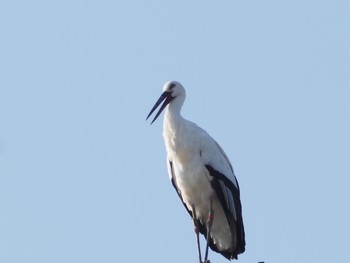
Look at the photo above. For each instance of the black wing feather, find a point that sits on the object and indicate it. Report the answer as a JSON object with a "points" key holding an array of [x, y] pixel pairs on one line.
{"points": [[229, 197]]}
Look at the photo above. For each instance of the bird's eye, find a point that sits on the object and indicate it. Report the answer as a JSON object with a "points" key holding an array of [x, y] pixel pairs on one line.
{"points": [[172, 85]]}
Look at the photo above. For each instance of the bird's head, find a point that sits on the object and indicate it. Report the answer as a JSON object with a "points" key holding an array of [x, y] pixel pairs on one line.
{"points": [[174, 87], [172, 91]]}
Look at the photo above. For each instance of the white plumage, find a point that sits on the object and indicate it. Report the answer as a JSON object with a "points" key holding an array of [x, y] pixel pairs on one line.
{"points": [[202, 176]]}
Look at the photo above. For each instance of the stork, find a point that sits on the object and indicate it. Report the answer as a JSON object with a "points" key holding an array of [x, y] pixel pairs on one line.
{"points": [[202, 176]]}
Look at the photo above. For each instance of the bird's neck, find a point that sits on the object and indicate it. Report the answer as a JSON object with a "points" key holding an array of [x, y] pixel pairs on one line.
{"points": [[173, 120], [172, 116], [173, 127]]}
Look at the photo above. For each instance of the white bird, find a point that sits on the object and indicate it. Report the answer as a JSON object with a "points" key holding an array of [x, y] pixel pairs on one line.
{"points": [[203, 177]]}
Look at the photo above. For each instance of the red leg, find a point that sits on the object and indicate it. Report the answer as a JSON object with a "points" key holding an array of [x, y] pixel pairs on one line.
{"points": [[196, 230], [209, 225]]}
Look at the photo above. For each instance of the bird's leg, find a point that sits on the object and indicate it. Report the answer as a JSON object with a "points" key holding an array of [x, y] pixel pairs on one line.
{"points": [[196, 230], [209, 225]]}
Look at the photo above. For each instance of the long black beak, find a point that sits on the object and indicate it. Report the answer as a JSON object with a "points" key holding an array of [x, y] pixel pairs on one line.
{"points": [[167, 98]]}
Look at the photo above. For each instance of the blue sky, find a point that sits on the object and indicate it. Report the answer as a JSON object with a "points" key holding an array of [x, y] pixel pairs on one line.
{"points": [[83, 177]]}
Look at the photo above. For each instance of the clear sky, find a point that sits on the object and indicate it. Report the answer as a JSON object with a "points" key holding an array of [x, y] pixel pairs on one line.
{"points": [[83, 176]]}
